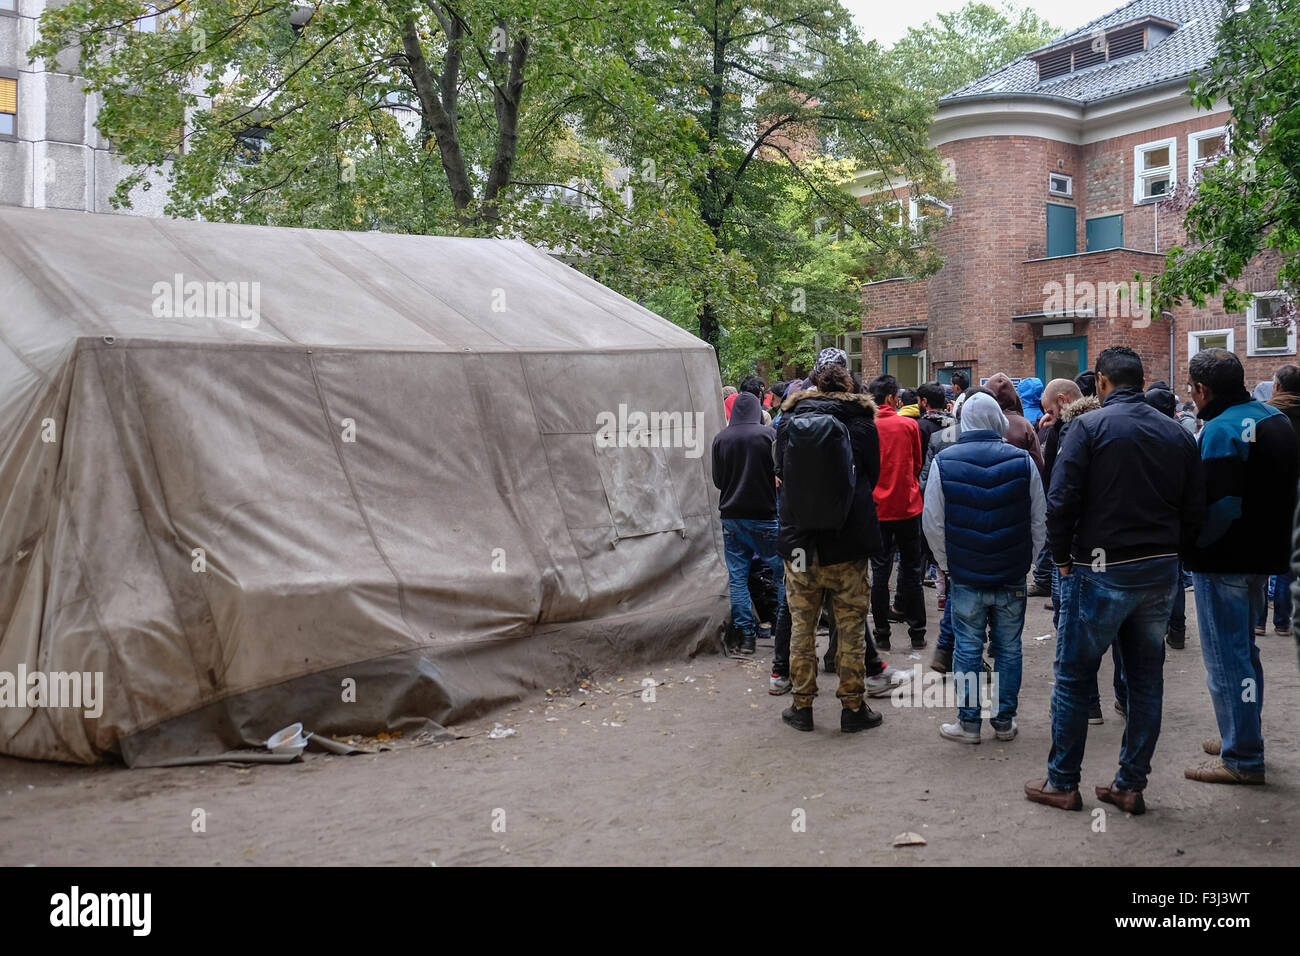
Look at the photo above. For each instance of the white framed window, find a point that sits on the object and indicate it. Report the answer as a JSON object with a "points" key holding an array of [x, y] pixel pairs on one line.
{"points": [[1059, 184], [925, 206], [1154, 170], [1203, 146], [1262, 336], [851, 343], [9, 6], [1202, 339]]}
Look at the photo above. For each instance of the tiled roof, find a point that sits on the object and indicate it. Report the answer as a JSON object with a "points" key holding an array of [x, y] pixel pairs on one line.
{"points": [[1183, 52]]}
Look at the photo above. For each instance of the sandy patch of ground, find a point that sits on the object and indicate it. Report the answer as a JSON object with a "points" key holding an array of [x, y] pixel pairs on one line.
{"points": [[705, 774]]}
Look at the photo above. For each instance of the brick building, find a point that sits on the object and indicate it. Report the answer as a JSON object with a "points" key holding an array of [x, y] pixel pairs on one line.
{"points": [[1063, 160]]}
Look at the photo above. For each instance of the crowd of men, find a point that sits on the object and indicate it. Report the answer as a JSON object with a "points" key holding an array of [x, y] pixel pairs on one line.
{"points": [[1106, 495]]}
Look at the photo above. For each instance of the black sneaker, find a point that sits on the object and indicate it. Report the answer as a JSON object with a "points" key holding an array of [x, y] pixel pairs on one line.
{"points": [[882, 643], [942, 660], [918, 642], [747, 643], [864, 718], [1039, 590], [1121, 709], [800, 718], [1094, 714], [1176, 639]]}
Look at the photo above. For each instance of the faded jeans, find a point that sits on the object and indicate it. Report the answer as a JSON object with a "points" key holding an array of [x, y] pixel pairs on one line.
{"points": [[1002, 611], [1226, 607], [1126, 604], [742, 538]]}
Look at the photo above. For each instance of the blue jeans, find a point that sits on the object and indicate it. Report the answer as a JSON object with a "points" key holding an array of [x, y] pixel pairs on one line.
{"points": [[1044, 566], [1178, 616], [1128, 604], [742, 538], [1277, 589], [1056, 597], [1226, 607], [1002, 610], [945, 626], [1282, 599]]}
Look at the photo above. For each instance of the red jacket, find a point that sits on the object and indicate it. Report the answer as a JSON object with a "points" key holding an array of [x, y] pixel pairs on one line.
{"points": [[897, 493]]}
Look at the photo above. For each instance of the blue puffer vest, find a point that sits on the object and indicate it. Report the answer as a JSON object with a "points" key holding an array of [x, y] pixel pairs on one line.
{"points": [[986, 520]]}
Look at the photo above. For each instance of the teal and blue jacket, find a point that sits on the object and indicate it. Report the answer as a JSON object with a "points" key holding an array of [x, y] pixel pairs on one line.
{"points": [[1248, 456]]}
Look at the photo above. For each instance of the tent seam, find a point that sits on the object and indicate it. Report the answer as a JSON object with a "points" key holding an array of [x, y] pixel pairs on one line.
{"points": [[356, 497]]}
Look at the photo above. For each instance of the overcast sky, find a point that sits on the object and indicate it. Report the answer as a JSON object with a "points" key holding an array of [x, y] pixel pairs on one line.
{"points": [[887, 20]]}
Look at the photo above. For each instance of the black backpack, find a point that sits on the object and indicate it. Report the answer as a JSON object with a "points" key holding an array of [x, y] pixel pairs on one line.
{"points": [[818, 476]]}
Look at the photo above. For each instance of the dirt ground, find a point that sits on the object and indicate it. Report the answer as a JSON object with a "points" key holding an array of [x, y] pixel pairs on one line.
{"points": [[705, 774]]}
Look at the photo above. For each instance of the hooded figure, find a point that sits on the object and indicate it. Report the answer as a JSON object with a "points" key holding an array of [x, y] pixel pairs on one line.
{"points": [[1030, 391], [742, 463], [745, 474], [729, 403], [982, 412], [1263, 392], [984, 519], [1019, 432]]}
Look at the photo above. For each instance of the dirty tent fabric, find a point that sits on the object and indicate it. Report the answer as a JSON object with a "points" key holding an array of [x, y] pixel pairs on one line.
{"points": [[389, 471]]}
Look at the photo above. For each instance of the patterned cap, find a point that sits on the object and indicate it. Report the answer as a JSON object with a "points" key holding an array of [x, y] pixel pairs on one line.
{"points": [[831, 356]]}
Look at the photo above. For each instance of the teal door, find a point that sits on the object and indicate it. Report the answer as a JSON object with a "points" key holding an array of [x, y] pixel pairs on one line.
{"points": [[1061, 358], [1105, 232], [1062, 236]]}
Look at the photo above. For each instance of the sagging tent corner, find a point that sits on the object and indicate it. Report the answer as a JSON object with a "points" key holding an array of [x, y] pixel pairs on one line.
{"points": [[383, 469]]}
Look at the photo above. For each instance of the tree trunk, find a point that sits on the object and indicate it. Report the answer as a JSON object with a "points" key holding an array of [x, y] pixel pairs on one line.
{"points": [[709, 326], [436, 118]]}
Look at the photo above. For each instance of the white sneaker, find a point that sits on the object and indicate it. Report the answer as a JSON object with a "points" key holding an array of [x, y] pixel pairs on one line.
{"points": [[958, 733], [776, 685], [883, 684], [1008, 734]]}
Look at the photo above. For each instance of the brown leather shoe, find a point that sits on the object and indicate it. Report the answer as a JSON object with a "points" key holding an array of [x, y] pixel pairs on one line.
{"points": [[1130, 801], [1216, 771], [1061, 799], [1212, 745]]}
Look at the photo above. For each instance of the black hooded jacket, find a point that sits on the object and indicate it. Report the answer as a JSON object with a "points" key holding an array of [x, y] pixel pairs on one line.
{"points": [[743, 469], [860, 537]]}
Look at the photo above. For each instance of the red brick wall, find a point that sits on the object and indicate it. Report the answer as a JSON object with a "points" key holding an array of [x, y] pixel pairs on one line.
{"points": [[891, 303], [999, 222]]}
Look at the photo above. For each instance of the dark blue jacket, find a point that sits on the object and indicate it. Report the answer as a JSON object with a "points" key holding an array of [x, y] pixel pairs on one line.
{"points": [[1126, 486], [987, 498]]}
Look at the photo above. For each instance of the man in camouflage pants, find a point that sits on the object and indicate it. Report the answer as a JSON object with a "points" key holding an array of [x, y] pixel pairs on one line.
{"points": [[819, 556], [850, 601]]}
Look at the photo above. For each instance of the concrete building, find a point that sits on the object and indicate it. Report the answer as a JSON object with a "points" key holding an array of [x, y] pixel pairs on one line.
{"points": [[51, 155], [1063, 160]]}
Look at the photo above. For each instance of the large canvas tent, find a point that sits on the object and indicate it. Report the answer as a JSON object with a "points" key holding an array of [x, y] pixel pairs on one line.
{"points": [[255, 476]]}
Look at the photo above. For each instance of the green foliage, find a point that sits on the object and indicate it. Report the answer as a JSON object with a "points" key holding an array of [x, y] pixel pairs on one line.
{"points": [[1249, 200], [740, 121], [956, 48], [787, 102]]}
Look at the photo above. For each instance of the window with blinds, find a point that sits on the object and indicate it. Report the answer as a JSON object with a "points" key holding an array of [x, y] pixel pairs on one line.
{"points": [[1102, 47], [8, 106]]}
